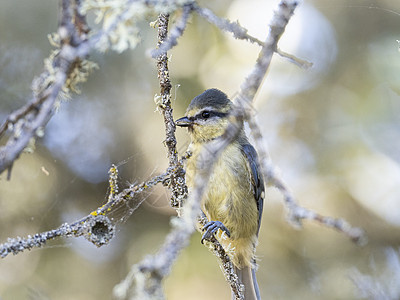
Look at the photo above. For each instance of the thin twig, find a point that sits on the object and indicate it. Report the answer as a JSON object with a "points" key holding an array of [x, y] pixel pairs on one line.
{"points": [[295, 213], [177, 182], [302, 63], [224, 261], [175, 33], [87, 225], [235, 28], [22, 112], [165, 87], [240, 32]]}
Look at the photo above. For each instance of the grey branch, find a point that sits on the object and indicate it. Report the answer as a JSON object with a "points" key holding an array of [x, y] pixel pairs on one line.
{"points": [[96, 227], [25, 122], [175, 33], [75, 46], [235, 28], [277, 27], [225, 263], [295, 213], [177, 183], [297, 61]]}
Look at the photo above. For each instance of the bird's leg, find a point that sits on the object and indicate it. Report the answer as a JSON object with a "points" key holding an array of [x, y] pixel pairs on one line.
{"points": [[211, 228]]}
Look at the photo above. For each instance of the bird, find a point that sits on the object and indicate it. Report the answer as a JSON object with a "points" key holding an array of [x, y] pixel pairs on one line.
{"points": [[233, 201]]}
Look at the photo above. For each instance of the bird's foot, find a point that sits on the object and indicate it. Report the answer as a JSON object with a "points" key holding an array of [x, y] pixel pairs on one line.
{"points": [[211, 228]]}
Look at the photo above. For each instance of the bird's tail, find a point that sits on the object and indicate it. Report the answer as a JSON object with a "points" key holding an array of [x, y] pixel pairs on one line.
{"points": [[247, 276]]}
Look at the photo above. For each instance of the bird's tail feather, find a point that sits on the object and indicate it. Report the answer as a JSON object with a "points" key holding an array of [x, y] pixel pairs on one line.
{"points": [[247, 276]]}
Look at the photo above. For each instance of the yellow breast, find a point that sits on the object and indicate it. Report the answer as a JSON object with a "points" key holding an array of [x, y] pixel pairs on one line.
{"points": [[230, 199]]}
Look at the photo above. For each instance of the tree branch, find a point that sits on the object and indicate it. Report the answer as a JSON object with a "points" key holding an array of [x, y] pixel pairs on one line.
{"points": [[295, 213], [224, 261], [238, 31], [250, 86], [177, 183], [25, 122], [175, 33], [97, 227], [62, 71]]}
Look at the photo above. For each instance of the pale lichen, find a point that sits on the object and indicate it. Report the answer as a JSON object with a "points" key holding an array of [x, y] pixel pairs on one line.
{"points": [[118, 20], [79, 74]]}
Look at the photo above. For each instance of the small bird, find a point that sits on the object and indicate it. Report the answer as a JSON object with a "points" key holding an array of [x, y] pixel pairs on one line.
{"points": [[233, 202]]}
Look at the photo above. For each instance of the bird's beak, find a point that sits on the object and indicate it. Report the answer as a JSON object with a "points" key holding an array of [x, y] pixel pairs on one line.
{"points": [[184, 122]]}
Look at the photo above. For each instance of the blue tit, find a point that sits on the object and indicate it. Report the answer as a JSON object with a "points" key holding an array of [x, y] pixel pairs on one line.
{"points": [[233, 202]]}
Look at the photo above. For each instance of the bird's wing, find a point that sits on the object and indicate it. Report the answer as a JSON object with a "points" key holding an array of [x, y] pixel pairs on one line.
{"points": [[257, 178]]}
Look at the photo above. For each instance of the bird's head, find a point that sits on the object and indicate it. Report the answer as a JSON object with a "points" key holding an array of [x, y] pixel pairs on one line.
{"points": [[207, 116]]}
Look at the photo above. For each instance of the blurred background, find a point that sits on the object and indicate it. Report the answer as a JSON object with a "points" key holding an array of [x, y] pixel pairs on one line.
{"points": [[332, 130]]}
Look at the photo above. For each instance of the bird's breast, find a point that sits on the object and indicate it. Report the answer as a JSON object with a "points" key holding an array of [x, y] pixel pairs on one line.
{"points": [[229, 197]]}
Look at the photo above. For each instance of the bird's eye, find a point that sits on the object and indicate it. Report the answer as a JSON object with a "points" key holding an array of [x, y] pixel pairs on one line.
{"points": [[205, 114]]}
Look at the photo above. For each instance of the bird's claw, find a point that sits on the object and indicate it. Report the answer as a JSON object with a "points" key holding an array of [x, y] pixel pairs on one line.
{"points": [[211, 228]]}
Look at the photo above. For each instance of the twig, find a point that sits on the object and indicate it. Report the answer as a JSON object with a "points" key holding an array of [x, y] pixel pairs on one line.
{"points": [[248, 90], [293, 59], [224, 261], [74, 47], [295, 213], [97, 227], [238, 31], [144, 279], [21, 113], [175, 33], [278, 24], [38, 112], [177, 183], [15, 145]]}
